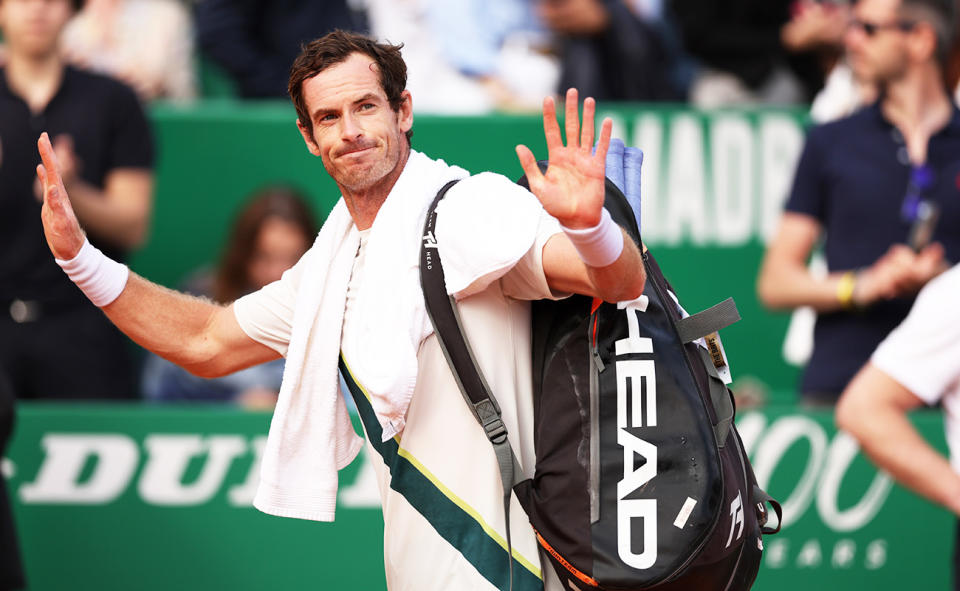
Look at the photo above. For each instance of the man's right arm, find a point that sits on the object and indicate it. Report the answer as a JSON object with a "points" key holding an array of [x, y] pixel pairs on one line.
{"points": [[199, 335], [785, 281], [203, 337]]}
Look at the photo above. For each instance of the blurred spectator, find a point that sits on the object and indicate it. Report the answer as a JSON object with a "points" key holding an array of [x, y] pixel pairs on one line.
{"points": [[53, 342], [617, 49], [917, 364], [268, 236], [738, 45], [844, 92], [11, 570], [146, 43], [818, 27], [873, 183], [256, 41], [842, 95], [470, 56]]}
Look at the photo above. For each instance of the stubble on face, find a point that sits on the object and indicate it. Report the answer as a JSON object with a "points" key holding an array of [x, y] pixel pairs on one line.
{"points": [[359, 165]]}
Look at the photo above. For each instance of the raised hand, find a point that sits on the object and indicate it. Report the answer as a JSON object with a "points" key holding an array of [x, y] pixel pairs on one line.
{"points": [[572, 189], [60, 225]]}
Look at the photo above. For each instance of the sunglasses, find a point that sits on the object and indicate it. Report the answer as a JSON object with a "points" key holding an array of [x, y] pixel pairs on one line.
{"points": [[871, 29]]}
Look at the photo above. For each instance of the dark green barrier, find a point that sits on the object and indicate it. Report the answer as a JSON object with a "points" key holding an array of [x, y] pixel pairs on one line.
{"points": [[713, 185], [120, 498]]}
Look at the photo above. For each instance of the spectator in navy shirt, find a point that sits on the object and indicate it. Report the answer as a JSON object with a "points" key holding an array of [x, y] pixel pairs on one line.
{"points": [[866, 184]]}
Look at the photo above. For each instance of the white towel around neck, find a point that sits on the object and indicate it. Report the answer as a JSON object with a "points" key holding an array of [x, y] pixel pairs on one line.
{"points": [[484, 226]]}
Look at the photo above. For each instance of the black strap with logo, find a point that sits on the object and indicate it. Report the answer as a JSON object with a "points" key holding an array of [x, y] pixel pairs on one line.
{"points": [[442, 310]]}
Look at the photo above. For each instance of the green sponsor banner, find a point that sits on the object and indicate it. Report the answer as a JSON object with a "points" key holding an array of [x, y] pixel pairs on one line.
{"points": [[131, 497], [713, 186]]}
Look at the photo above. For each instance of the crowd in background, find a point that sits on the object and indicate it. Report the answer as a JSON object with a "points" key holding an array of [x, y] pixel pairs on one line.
{"points": [[464, 57], [866, 187], [474, 56]]}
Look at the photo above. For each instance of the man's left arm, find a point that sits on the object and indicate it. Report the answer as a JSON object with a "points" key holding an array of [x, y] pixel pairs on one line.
{"points": [[593, 256]]}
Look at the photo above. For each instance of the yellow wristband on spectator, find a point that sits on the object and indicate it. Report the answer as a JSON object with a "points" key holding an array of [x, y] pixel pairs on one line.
{"points": [[845, 287]]}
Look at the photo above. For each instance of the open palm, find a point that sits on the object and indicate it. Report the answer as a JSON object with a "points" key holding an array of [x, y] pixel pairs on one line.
{"points": [[572, 189], [60, 225]]}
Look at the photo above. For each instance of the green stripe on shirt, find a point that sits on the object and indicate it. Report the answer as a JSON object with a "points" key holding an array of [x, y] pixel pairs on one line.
{"points": [[455, 521]]}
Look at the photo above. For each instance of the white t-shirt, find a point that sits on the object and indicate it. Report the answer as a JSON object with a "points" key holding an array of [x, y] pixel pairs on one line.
{"points": [[438, 479], [923, 353]]}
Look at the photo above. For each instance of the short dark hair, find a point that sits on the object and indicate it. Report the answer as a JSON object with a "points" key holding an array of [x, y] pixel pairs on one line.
{"points": [[334, 48], [940, 15]]}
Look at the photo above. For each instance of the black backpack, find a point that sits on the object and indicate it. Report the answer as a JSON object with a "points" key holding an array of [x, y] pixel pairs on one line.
{"points": [[641, 479]]}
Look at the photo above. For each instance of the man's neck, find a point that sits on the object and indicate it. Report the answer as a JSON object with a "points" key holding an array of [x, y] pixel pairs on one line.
{"points": [[918, 106], [34, 79], [364, 205]]}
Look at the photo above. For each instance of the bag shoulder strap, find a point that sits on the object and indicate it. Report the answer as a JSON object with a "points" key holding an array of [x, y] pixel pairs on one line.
{"points": [[444, 315]]}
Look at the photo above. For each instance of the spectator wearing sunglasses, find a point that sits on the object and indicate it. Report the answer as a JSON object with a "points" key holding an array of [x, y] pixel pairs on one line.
{"points": [[879, 191]]}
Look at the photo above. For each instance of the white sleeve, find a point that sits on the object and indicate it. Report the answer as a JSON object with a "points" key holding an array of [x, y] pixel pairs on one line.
{"points": [[923, 353], [489, 227], [266, 315], [527, 280]]}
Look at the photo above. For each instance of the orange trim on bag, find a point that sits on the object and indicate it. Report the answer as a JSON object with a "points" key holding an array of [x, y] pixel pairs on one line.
{"points": [[583, 578], [595, 305], [597, 302]]}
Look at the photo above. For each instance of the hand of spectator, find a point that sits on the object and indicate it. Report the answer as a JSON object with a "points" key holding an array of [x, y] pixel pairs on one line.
{"points": [[60, 225], [67, 161], [815, 24], [147, 85], [574, 17], [572, 190], [927, 264], [899, 272]]}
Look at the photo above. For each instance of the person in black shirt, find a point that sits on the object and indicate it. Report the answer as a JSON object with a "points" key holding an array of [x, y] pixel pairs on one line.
{"points": [[865, 182], [53, 342], [11, 569]]}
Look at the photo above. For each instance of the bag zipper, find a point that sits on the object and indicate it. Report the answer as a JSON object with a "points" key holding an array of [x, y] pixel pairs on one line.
{"points": [[598, 367]]}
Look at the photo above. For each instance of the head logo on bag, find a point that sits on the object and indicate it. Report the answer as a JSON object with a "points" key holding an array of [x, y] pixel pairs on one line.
{"points": [[636, 409]]}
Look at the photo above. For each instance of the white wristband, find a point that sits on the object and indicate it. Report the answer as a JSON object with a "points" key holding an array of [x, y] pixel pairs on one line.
{"points": [[99, 277], [600, 245]]}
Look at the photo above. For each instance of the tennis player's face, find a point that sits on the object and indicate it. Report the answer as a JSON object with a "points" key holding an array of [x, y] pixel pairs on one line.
{"points": [[358, 136]]}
